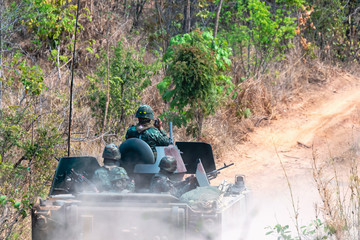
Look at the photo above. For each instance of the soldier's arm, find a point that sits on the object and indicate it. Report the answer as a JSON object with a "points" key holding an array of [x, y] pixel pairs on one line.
{"points": [[130, 132], [101, 180], [161, 184], [161, 138], [127, 133], [155, 185]]}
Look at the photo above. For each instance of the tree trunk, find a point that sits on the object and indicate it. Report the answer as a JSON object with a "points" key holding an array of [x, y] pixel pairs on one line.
{"points": [[217, 18], [187, 23], [138, 11], [200, 120], [161, 22]]}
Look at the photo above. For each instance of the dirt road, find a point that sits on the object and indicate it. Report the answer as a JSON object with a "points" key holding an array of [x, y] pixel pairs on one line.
{"points": [[326, 117]]}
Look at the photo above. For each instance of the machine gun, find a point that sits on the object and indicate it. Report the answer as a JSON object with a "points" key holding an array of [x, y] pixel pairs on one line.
{"points": [[213, 174], [81, 180]]}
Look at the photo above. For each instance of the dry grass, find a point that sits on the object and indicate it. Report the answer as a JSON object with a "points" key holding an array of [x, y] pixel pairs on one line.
{"points": [[266, 97], [338, 185]]}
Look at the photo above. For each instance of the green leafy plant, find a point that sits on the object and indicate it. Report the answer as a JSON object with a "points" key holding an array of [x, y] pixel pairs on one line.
{"points": [[315, 230], [282, 232], [52, 24], [258, 34], [27, 146], [246, 113], [196, 77], [334, 22], [49, 20], [128, 77]]}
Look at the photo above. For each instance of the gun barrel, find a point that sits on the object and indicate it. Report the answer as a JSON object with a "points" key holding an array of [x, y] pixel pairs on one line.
{"points": [[216, 171]]}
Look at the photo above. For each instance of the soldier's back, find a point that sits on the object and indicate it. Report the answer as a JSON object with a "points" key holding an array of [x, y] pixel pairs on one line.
{"points": [[102, 179]]}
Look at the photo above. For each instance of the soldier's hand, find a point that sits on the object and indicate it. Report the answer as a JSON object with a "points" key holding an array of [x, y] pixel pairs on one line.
{"points": [[191, 179], [158, 123]]}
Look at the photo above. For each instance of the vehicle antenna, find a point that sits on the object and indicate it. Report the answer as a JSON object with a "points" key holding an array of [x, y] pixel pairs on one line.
{"points": [[72, 77]]}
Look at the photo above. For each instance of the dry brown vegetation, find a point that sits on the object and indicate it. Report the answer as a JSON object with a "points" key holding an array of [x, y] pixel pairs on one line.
{"points": [[287, 87]]}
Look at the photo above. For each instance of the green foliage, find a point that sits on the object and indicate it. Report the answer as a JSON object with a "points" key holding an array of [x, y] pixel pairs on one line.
{"points": [[333, 28], [24, 77], [31, 78], [246, 113], [282, 232], [315, 230], [196, 76], [27, 145], [23, 183], [49, 19], [52, 25], [128, 77], [258, 34]]}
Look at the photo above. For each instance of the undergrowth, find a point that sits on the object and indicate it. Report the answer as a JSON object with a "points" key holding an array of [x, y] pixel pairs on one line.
{"points": [[338, 184]]}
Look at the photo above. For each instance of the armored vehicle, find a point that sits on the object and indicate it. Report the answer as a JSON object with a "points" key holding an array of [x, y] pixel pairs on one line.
{"points": [[75, 209]]}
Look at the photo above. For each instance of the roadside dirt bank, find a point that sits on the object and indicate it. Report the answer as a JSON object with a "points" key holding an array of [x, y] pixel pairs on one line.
{"points": [[324, 122]]}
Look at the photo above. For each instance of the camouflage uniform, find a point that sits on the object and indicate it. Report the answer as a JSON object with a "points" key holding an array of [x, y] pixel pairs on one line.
{"points": [[111, 177], [120, 180], [162, 183], [106, 177], [146, 131], [149, 134]]}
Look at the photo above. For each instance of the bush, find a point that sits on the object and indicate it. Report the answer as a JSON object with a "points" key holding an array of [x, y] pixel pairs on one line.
{"points": [[128, 76], [27, 146], [196, 77]]}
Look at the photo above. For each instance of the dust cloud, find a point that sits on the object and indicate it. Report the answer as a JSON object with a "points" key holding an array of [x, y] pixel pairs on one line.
{"points": [[321, 127], [140, 216]]}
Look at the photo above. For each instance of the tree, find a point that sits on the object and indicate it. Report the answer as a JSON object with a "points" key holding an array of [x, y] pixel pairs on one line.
{"points": [[52, 24], [128, 76], [217, 18], [196, 76], [138, 9], [9, 25], [333, 27], [27, 146], [30, 136], [257, 33]]}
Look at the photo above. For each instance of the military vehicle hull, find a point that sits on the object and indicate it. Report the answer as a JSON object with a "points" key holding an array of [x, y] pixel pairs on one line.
{"points": [[134, 216], [74, 213]]}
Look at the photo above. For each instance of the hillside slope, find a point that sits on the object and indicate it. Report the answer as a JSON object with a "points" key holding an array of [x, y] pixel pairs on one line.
{"points": [[324, 121]]}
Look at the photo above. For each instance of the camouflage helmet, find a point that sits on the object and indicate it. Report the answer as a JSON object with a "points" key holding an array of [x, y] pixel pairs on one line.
{"points": [[111, 151], [145, 111], [168, 163], [118, 173]]}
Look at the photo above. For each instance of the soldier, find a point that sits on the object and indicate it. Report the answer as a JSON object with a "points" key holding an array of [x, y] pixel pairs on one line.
{"points": [[120, 181], [153, 135], [161, 181], [112, 177]]}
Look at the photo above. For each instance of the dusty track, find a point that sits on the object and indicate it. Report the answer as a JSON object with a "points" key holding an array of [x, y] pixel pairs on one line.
{"points": [[326, 119]]}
